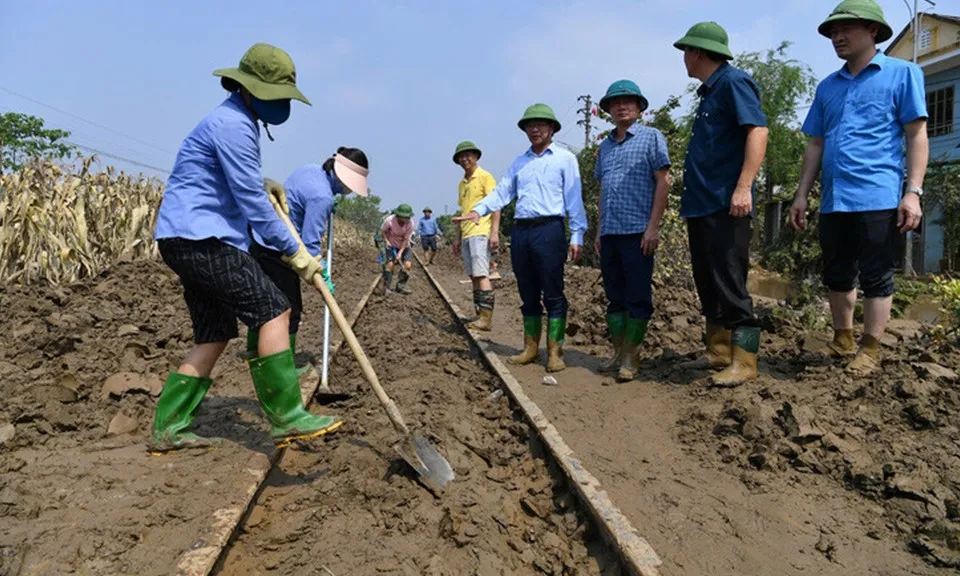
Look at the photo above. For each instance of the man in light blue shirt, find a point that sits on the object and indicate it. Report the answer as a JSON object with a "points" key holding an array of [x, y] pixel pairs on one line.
{"points": [[857, 124], [545, 181], [309, 196], [427, 230]]}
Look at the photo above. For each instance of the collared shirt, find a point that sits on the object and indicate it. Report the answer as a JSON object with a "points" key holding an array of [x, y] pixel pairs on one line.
{"points": [[394, 233], [861, 121], [469, 192], [216, 187], [310, 196], [729, 104], [625, 171], [427, 226], [547, 184]]}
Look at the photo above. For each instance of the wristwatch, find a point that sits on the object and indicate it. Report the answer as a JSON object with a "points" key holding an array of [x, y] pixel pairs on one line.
{"points": [[916, 190]]}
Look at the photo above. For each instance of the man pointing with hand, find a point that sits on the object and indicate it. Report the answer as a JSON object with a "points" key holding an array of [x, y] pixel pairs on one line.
{"points": [[545, 180]]}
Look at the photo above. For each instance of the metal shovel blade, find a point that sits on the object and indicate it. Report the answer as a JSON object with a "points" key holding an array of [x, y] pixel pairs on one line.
{"points": [[434, 470]]}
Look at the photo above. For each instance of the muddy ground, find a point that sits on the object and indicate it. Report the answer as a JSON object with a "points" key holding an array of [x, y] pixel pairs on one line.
{"points": [[805, 471], [80, 367], [350, 506]]}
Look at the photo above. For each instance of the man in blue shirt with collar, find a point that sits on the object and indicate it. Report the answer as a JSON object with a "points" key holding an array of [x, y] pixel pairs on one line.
{"points": [[545, 180], [427, 230], [857, 124], [727, 145], [632, 168]]}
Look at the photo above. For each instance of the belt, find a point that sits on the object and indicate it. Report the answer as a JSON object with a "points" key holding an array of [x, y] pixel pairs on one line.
{"points": [[539, 221]]}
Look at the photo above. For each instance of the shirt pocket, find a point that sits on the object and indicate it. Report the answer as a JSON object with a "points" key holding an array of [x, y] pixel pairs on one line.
{"points": [[873, 105]]}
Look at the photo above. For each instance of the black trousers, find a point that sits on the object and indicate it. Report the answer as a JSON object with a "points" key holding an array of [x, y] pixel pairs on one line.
{"points": [[720, 256]]}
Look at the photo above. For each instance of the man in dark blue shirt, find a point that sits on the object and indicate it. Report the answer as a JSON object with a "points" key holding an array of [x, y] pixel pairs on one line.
{"points": [[727, 145]]}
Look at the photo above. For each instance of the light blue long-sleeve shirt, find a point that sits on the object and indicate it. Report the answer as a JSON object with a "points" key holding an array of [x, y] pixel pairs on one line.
{"points": [[427, 227], [310, 196], [544, 185], [216, 187]]}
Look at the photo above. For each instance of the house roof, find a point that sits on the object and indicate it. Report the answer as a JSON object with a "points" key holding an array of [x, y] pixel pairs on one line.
{"points": [[940, 17]]}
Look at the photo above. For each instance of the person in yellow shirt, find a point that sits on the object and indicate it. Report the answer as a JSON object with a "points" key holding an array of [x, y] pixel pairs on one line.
{"points": [[475, 241]]}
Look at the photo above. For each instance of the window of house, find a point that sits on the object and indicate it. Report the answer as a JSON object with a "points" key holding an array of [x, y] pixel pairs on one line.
{"points": [[940, 109], [926, 39]]}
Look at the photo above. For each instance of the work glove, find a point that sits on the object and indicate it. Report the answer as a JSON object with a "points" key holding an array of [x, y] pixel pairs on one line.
{"points": [[277, 195], [303, 264], [326, 276]]}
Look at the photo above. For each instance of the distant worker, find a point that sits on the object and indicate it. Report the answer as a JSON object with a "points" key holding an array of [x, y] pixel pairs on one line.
{"points": [[857, 124], [308, 197], [545, 181], [633, 169], [215, 192], [396, 232], [475, 242], [428, 230]]}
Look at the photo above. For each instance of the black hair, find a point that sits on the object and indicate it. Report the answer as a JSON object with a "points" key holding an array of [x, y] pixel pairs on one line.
{"points": [[714, 57], [355, 155]]}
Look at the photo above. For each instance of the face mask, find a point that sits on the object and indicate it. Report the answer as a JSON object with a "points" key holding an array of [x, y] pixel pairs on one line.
{"points": [[274, 112]]}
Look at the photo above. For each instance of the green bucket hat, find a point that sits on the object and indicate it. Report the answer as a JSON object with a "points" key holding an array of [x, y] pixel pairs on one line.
{"points": [[465, 146], [623, 88], [404, 211], [858, 10], [539, 111], [267, 72], [708, 36]]}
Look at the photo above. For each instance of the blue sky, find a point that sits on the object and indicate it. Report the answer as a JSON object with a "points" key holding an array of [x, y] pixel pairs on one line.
{"points": [[405, 81]]}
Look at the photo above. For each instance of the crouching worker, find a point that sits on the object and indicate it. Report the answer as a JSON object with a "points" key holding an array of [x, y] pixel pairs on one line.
{"points": [[307, 196], [214, 193], [396, 232]]}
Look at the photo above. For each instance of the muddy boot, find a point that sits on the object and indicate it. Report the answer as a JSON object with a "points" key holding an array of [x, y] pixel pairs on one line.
{"points": [[402, 282], [485, 303], [718, 353], [843, 344], [275, 380], [743, 367], [635, 334], [867, 360], [387, 280], [555, 332], [616, 324], [532, 327], [176, 409]]}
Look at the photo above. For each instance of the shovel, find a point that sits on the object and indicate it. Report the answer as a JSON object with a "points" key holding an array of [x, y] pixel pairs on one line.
{"points": [[434, 470], [324, 395]]}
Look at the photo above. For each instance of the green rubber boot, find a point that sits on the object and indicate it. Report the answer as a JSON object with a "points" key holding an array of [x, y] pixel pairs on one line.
{"points": [[616, 325], [636, 333], [556, 327], [293, 350], [253, 341], [275, 380], [176, 409]]}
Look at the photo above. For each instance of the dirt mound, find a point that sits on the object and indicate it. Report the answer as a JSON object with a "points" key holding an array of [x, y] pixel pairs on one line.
{"points": [[353, 508]]}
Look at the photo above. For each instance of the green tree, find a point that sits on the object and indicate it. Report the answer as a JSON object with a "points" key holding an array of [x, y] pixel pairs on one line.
{"points": [[362, 212], [23, 137], [943, 184]]}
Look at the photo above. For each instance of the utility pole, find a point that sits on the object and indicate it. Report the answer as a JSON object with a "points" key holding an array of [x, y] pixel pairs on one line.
{"points": [[587, 112]]}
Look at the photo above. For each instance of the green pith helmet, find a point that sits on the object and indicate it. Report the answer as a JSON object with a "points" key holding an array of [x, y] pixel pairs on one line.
{"points": [[539, 111], [623, 88], [466, 146], [404, 211], [858, 10], [428, 209], [267, 72], [708, 36]]}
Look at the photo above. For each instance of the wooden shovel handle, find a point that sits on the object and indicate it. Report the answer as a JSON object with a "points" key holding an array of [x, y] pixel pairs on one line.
{"points": [[388, 405]]}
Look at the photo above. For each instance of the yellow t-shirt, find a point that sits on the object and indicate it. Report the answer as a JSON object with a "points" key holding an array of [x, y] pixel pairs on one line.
{"points": [[470, 192]]}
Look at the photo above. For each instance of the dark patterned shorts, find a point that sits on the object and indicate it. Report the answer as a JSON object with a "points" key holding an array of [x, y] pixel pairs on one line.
{"points": [[222, 284]]}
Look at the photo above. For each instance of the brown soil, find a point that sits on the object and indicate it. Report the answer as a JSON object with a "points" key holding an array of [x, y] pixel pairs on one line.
{"points": [[805, 471], [78, 492], [351, 506]]}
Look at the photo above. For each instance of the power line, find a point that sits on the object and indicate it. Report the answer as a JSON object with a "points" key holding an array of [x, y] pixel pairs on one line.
{"points": [[116, 157], [80, 118]]}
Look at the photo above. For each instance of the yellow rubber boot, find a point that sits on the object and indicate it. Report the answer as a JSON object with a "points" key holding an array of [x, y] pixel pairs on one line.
{"points": [[743, 365], [532, 327], [555, 334], [718, 353]]}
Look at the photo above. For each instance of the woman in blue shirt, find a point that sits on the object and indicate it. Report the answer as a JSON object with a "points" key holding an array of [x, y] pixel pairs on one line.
{"points": [[214, 193], [308, 197]]}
